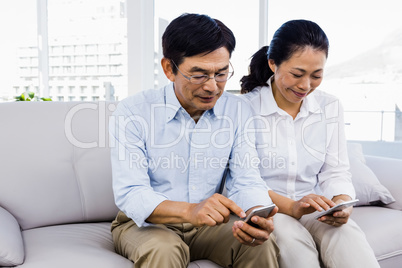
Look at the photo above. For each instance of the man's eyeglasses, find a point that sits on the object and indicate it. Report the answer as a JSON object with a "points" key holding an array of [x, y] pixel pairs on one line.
{"points": [[202, 78]]}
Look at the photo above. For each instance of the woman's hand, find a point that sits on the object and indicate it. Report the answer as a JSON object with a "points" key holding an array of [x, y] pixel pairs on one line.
{"points": [[339, 218], [309, 204]]}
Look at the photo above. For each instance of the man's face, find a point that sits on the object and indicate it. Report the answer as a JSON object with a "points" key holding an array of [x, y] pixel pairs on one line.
{"points": [[196, 99]]}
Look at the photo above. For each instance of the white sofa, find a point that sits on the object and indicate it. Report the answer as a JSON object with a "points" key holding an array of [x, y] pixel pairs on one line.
{"points": [[56, 200]]}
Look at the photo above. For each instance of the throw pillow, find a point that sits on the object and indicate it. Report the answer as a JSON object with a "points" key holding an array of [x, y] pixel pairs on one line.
{"points": [[368, 188], [389, 171], [11, 244]]}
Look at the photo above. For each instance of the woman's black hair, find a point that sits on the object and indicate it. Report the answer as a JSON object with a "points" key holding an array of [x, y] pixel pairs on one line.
{"points": [[193, 34], [292, 36]]}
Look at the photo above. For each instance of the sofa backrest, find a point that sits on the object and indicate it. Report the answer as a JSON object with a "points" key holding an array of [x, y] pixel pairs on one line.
{"points": [[55, 162]]}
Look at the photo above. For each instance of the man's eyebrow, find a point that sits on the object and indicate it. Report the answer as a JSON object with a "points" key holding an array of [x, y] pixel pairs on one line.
{"points": [[201, 70]]}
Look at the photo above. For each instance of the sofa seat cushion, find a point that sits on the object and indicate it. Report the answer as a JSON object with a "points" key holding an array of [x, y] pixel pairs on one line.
{"points": [[203, 264], [382, 227], [84, 245], [72, 245]]}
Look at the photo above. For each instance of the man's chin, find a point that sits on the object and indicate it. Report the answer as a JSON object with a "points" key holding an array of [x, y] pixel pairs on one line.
{"points": [[207, 106]]}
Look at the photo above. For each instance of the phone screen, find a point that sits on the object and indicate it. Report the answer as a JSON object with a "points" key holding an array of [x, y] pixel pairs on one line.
{"points": [[338, 207], [261, 212]]}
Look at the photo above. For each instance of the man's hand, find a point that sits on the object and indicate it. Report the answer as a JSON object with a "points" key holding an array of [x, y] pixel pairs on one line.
{"points": [[248, 235], [213, 211]]}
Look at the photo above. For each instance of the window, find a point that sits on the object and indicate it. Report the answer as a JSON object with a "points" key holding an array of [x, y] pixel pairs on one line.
{"points": [[18, 31], [242, 17], [95, 90], [363, 67]]}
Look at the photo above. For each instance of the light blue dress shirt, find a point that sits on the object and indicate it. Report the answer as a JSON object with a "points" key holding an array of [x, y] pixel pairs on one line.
{"points": [[159, 153]]}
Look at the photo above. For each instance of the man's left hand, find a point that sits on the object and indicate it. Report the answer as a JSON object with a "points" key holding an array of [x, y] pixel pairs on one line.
{"points": [[251, 236]]}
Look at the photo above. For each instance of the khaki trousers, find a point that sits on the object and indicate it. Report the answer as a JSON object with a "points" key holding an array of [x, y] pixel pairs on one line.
{"points": [[175, 245]]}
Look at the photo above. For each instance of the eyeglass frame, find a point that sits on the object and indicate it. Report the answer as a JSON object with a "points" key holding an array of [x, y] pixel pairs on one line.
{"points": [[208, 77]]}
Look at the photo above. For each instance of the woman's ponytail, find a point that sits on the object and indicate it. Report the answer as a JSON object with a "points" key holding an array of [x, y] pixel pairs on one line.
{"points": [[259, 71]]}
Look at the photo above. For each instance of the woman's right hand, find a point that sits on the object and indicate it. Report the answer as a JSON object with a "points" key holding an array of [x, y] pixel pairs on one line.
{"points": [[309, 204]]}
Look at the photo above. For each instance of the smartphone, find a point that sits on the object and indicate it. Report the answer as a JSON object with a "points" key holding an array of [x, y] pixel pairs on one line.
{"points": [[261, 212], [338, 207]]}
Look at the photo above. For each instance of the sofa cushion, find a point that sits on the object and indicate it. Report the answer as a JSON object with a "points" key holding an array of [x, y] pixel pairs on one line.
{"points": [[11, 244], [203, 264], [72, 245], [61, 157], [382, 227], [368, 188]]}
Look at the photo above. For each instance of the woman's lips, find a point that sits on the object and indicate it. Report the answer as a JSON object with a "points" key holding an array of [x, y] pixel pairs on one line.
{"points": [[300, 95]]}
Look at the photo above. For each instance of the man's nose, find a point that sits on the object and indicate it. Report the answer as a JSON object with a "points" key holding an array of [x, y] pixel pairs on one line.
{"points": [[210, 85]]}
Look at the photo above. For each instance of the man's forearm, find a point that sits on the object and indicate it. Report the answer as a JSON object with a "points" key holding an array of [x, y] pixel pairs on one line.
{"points": [[170, 212]]}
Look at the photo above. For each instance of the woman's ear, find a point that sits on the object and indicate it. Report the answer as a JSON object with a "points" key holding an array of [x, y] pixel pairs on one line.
{"points": [[167, 69], [271, 64]]}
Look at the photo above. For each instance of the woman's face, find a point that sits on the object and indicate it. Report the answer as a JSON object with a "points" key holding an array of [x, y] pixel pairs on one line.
{"points": [[297, 77]]}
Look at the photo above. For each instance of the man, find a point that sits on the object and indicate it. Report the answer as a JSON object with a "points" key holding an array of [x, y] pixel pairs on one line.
{"points": [[172, 147]]}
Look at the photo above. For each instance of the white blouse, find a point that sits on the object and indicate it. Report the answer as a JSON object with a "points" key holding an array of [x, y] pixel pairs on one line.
{"points": [[305, 155]]}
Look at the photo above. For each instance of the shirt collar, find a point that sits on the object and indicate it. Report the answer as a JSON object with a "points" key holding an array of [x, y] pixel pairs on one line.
{"points": [[310, 105], [173, 105], [218, 109], [268, 104]]}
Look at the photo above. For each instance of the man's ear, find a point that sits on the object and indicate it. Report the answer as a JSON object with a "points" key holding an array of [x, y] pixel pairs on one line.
{"points": [[271, 64], [168, 69]]}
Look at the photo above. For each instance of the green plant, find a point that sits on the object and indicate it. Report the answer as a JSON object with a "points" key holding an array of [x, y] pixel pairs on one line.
{"points": [[31, 96]]}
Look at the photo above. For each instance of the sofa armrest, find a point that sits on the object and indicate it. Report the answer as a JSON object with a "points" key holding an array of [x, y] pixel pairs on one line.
{"points": [[389, 173], [11, 243]]}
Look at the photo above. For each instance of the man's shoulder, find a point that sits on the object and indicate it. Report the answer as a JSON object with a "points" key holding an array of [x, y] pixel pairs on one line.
{"points": [[142, 101], [232, 99]]}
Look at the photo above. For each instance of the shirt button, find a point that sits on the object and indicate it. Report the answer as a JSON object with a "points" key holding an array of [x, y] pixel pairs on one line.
{"points": [[193, 187], [293, 163]]}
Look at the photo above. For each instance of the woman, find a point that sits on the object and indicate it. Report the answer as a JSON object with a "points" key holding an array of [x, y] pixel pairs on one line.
{"points": [[302, 149]]}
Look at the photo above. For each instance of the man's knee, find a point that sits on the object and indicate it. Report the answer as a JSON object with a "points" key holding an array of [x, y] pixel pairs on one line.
{"points": [[157, 247], [265, 255], [271, 246]]}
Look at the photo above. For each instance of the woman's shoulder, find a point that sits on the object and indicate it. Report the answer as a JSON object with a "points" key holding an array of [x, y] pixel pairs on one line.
{"points": [[253, 95], [323, 97]]}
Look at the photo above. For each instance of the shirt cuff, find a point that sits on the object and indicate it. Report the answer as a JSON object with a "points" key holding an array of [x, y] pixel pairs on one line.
{"points": [[140, 213], [340, 189], [249, 198]]}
